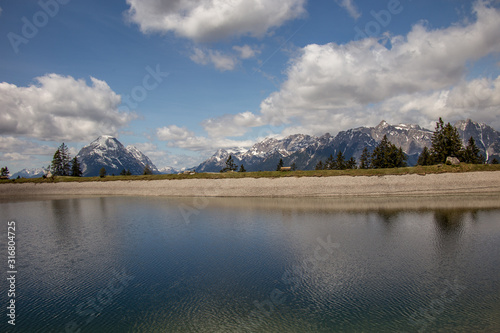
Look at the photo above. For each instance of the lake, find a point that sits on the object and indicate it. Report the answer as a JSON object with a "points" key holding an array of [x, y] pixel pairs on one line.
{"points": [[139, 264]]}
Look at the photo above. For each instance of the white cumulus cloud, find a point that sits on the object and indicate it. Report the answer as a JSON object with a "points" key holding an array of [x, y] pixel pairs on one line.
{"points": [[332, 82], [60, 108], [222, 62], [351, 8], [246, 51], [211, 20]]}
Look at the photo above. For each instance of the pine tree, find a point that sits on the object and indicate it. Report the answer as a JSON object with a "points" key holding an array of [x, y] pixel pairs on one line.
{"points": [[61, 162], [494, 161], [76, 170], [280, 165], [472, 154], [330, 163], [4, 172], [242, 169], [128, 173], [425, 157], [364, 160], [351, 163], [123, 172], [56, 165], [401, 158], [340, 161], [230, 165], [147, 171], [293, 166], [320, 166], [445, 142], [387, 155], [380, 158], [102, 172]]}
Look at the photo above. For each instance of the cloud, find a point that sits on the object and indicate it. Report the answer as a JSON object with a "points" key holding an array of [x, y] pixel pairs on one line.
{"points": [[211, 20], [351, 8], [412, 79], [14, 149], [345, 81], [181, 137], [219, 60], [231, 125], [246, 51], [60, 108]]}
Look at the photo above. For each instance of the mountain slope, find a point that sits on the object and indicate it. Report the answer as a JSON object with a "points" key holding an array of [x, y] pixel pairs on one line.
{"points": [[306, 151], [106, 151], [487, 139]]}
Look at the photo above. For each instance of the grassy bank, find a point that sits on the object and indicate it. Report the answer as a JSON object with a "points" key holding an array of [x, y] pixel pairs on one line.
{"points": [[421, 170]]}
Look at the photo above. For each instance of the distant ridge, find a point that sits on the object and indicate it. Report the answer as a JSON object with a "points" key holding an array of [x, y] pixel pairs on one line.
{"points": [[306, 151]]}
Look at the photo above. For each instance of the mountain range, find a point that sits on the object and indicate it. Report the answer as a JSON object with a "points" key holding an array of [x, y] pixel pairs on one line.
{"points": [[306, 151]]}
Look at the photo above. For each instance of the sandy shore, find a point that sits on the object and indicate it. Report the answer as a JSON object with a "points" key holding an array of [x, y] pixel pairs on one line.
{"points": [[342, 186]]}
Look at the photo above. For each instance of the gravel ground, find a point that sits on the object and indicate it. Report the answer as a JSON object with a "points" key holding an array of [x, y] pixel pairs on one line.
{"points": [[341, 186]]}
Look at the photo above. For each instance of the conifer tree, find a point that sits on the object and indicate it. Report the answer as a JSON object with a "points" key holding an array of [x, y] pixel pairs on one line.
{"points": [[230, 165], [147, 171], [319, 166], [472, 154], [351, 163], [425, 157], [364, 160], [4, 172], [242, 169], [330, 163], [61, 162], [445, 142], [340, 161], [102, 172], [387, 155], [494, 161], [293, 166], [280, 165], [76, 170], [123, 172]]}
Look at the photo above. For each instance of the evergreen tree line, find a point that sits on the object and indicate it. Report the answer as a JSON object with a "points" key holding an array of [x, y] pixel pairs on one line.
{"points": [[446, 143], [63, 165], [385, 155]]}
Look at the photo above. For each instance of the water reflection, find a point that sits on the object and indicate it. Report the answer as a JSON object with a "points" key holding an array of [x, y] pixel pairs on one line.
{"points": [[392, 259]]}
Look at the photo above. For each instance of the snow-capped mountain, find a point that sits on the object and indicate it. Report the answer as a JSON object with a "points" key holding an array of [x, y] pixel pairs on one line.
{"points": [[306, 151], [487, 139], [106, 151], [167, 170], [29, 173]]}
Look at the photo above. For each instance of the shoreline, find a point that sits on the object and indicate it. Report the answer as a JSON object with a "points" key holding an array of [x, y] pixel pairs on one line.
{"points": [[487, 182]]}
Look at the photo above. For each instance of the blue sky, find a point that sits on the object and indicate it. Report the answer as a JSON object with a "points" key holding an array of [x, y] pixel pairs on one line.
{"points": [[181, 78]]}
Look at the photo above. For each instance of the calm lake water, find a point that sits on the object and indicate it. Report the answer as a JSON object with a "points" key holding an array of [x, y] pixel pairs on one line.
{"points": [[125, 264]]}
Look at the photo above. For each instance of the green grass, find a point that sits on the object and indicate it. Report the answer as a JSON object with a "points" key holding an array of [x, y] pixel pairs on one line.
{"points": [[420, 170]]}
